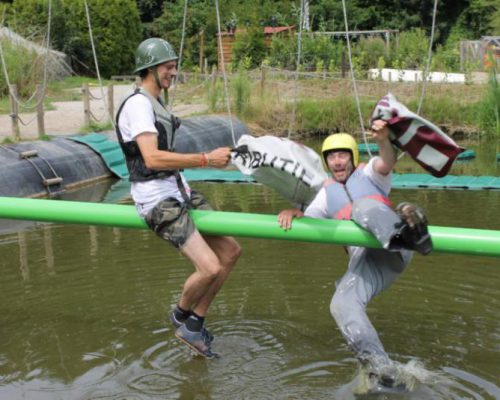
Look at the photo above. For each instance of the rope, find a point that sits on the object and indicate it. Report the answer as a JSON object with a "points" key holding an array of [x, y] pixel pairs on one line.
{"points": [[354, 86], [45, 68], [97, 119], [93, 97], [429, 56], [226, 92], [21, 121], [296, 87], [183, 34], [94, 53]]}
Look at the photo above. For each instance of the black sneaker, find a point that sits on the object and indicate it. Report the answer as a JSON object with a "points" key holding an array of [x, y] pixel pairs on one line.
{"points": [[413, 232], [209, 338], [195, 341], [386, 383]]}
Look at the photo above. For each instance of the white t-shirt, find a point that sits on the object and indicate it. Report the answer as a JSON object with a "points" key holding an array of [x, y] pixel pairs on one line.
{"points": [[136, 117], [319, 208]]}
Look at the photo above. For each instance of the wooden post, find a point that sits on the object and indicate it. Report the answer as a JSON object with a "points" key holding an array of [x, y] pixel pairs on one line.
{"points": [[262, 79], [214, 75], [86, 104], [111, 104], [39, 111], [14, 113], [342, 64], [202, 50]]}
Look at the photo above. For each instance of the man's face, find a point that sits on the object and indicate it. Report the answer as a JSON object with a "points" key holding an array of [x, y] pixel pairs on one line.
{"points": [[167, 73], [340, 164]]}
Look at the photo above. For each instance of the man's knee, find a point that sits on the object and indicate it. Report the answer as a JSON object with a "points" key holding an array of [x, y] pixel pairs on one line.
{"points": [[211, 271], [231, 253]]}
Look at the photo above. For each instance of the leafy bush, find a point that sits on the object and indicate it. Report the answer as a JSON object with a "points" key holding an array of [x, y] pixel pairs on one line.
{"points": [[24, 69], [249, 45], [411, 52]]}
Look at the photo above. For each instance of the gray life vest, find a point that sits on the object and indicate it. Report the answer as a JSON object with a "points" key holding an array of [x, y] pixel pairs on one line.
{"points": [[339, 197], [166, 124]]}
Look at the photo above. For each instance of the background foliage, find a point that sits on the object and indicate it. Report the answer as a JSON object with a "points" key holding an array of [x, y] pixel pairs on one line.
{"points": [[119, 25]]}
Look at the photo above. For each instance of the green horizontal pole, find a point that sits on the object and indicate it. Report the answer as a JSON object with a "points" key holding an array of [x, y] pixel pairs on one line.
{"points": [[445, 239]]}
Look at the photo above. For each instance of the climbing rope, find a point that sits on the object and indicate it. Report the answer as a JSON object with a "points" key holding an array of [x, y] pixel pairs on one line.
{"points": [[429, 57], [94, 53], [26, 104], [226, 92], [297, 67], [181, 50], [353, 78]]}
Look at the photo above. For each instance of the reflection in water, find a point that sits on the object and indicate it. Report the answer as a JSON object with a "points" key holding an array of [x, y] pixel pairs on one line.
{"points": [[74, 329], [49, 249], [23, 256]]}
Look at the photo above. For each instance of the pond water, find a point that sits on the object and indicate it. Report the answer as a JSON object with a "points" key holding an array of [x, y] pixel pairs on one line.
{"points": [[83, 312]]}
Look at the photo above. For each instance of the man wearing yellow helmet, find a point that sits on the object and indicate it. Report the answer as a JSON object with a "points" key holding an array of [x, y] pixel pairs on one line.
{"points": [[360, 192], [146, 130]]}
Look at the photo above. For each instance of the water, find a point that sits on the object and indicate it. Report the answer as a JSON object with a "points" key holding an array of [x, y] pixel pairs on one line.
{"points": [[83, 312]]}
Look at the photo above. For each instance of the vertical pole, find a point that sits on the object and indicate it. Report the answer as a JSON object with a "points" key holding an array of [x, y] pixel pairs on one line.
{"points": [[262, 79], [39, 111], [86, 104], [214, 75], [137, 82], [111, 104], [342, 64], [202, 50], [14, 113]]}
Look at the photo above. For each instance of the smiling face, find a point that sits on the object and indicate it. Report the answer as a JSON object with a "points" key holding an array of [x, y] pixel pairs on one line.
{"points": [[340, 164], [166, 73]]}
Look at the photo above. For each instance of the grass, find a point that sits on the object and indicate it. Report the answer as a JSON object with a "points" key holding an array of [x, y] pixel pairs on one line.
{"points": [[97, 127]]}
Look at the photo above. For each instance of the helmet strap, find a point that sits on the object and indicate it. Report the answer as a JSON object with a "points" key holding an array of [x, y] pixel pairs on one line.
{"points": [[156, 76]]}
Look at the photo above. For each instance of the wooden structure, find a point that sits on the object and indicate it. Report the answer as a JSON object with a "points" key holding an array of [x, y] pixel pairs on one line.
{"points": [[478, 52], [229, 37]]}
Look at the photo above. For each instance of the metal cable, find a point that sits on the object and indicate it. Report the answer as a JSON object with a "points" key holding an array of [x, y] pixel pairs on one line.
{"points": [[181, 50], [355, 88], [296, 87], [224, 76], [429, 56], [94, 53]]}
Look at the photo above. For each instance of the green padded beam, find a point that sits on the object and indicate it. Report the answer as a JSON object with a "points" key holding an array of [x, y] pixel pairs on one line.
{"points": [[445, 239]]}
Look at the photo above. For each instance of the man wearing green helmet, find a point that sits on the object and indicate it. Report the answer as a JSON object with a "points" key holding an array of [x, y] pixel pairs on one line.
{"points": [[360, 192], [146, 131]]}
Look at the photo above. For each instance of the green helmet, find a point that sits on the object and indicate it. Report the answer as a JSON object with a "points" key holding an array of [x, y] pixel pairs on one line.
{"points": [[152, 52]]}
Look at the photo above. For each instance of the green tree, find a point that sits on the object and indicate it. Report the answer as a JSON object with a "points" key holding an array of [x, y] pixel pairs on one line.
{"points": [[115, 26]]}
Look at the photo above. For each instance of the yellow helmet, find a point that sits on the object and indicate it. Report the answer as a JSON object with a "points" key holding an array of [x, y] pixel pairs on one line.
{"points": [[341, 141]]}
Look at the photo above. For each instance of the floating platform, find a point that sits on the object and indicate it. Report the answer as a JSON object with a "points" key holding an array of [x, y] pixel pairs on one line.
{"points": [[410, 181], [373, 148]]}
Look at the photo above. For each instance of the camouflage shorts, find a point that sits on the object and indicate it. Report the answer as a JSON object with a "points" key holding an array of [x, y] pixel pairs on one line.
{"points": [[170, 220]]}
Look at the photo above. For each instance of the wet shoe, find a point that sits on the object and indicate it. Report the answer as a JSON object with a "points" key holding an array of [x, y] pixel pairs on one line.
{"points": [[383, 376], [413, 232], [385, 383], [208, 337], [195, 341]]}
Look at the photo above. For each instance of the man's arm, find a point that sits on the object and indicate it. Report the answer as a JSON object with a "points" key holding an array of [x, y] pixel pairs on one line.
{"points": [[160, 159], [387, 155]]}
